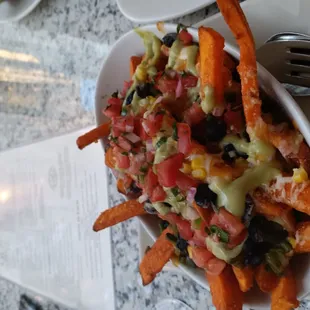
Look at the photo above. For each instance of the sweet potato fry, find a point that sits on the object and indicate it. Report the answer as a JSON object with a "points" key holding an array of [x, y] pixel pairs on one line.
{"points": [[134, 63], [295, 195], [155, 259], [291, 145], [303, 238], [247, 68], [274, 210], [263, 205], [117, 214], [211, 62], [265, 280], [245, 277], [93, 135], [225, 291], [256, 127], [109, 158], [284, 296]]}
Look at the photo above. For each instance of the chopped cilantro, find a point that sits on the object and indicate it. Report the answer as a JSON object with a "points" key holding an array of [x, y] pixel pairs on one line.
{"points": [[143, 169], [125, 153], [222, 234], [161, 141], [175, 131], [181, 27], [115, 94], [124, 111], [114, 139], [175, 191]]}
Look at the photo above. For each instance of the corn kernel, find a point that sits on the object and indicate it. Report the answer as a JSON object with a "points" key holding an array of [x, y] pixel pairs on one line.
{"points": [[292, 241], [300, 175], [198, 162], [187, 168], [199, 174], [190, 251]]}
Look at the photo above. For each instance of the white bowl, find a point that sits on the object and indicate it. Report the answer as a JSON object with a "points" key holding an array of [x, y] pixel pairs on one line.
{"points": [[115, 71]]}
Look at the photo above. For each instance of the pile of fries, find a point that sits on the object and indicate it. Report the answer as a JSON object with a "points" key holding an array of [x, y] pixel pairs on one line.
{"points": [[275, 200]]}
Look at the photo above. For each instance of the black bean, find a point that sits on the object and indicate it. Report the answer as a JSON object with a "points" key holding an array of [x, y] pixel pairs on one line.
{"points": [[148, 207], [129, 98], [254, 252], [248, 211], [163, 225], [262, 230], [182, 245], [144, 90], [204, 196], [215, 128], [134, 191], [169, 38], [230, 153]]}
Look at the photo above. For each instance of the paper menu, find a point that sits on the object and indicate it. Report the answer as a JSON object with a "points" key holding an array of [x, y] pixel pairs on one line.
{"points": [[50, 195]]}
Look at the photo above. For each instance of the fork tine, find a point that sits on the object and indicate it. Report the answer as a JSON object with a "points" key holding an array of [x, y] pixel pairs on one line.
{"points": [[288, 61], [290, 67]]}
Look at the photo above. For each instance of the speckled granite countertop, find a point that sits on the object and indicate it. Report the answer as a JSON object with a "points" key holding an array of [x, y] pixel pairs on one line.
{"points": [[46, 89]]}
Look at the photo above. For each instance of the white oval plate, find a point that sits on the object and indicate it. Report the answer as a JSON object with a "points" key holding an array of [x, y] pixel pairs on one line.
{"points": [[149, 11], [115, 71], [14, 10]]}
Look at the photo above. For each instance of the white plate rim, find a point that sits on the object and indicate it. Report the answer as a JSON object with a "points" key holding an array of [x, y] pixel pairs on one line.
{"points": [[22, 14], [163, 16]]}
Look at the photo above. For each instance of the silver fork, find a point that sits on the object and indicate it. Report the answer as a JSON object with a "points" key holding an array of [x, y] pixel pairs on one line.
{"points": [[287, 57]]}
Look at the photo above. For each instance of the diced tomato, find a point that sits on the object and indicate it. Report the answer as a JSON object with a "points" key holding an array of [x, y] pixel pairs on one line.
{"points": [[184, 138], [123, 143], [151, 181], [139, 130], [114, 107], [122, 161], [123, 123], [215, 266], [185, 182], [158, 194], [136, 162], [185, 230], [183, 226], [236, 240], [150, 157], [152, 124], [227, 222], [167, 85], [201, 256], [127, 85], [194, 114], [168, 169], [189, 81], [185, 37], [234, 121], [200, 235], [198, 239]]}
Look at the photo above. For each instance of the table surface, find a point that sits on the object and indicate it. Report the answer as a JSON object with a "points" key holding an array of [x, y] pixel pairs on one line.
{"points": [[49, 62]]}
